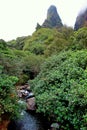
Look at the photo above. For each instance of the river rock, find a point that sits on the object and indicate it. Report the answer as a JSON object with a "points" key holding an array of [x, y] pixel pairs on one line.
{"points": [[31, 103], [54, 126], [25, 86]]}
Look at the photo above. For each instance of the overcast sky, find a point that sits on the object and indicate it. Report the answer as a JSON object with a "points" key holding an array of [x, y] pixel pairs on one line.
{"points": [[19, 17]]}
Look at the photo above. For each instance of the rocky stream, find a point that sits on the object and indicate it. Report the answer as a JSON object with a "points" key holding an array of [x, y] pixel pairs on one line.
{"points": [[30, 120]]}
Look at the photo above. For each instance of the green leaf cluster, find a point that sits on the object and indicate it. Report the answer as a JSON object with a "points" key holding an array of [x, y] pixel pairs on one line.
{"points": [[47, 41], [61, 89], [2, 44], [79, 39], [57, 59], [8, 97]]}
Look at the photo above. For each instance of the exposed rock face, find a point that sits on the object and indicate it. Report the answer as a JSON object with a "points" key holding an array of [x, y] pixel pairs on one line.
{"points": [[53, 18], [81, 20]]}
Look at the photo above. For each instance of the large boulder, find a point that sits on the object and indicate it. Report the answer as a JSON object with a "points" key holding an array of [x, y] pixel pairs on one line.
{"points": [[31, 103]]}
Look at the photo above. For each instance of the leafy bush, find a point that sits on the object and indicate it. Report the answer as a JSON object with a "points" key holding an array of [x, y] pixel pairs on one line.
{"points": [[66, 31], [11, 62], [22, 64], [32, 65], [42, 36], [18, 43], [37, 49], [48, 41], [79, 39], [8, 98], [61, 89], [58, 45], [2, 44]]}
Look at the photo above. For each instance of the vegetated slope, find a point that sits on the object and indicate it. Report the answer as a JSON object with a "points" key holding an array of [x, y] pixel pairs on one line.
{"points": [[9, 107], [18, 43], [46, 41], [23, 56], [60, 85], [61, 89]]}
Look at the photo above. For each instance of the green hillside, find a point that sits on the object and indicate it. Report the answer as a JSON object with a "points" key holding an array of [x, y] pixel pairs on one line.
{"points": [[54, 62]]}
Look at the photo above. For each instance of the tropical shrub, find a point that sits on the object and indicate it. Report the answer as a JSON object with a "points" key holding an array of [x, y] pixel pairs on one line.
{"points": [[17, 44], [42, 36], [11, 62], [8, 98], [58, 45], [37, 49], [32, 65], [66, 31], [2, 44], [61, 90], [79, 39]]}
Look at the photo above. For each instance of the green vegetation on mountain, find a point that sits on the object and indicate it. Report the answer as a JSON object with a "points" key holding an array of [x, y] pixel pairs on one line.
{"points": [[18, 43], [54, 61], [81, 20], [48, 41], [61, 89], [79, 39], [8, 98]]}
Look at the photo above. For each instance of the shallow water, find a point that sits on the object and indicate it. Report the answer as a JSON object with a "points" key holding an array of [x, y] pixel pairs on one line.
{"points": [[29, 121]]}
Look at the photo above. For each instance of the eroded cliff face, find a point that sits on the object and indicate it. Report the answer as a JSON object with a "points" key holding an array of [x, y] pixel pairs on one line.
{"points": [[53, 19], [81, 20]]}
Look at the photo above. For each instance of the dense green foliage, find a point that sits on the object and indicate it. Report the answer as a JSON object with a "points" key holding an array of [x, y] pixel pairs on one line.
{"points": [[79, 39], [47, 41], [2, 44], [8, 98], [23, 64], [18, 43], [61, 89], [55, 60]]}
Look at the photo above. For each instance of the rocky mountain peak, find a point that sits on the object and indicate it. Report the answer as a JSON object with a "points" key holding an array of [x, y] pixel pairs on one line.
{"points": [[81, 20], [53, 19]]}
